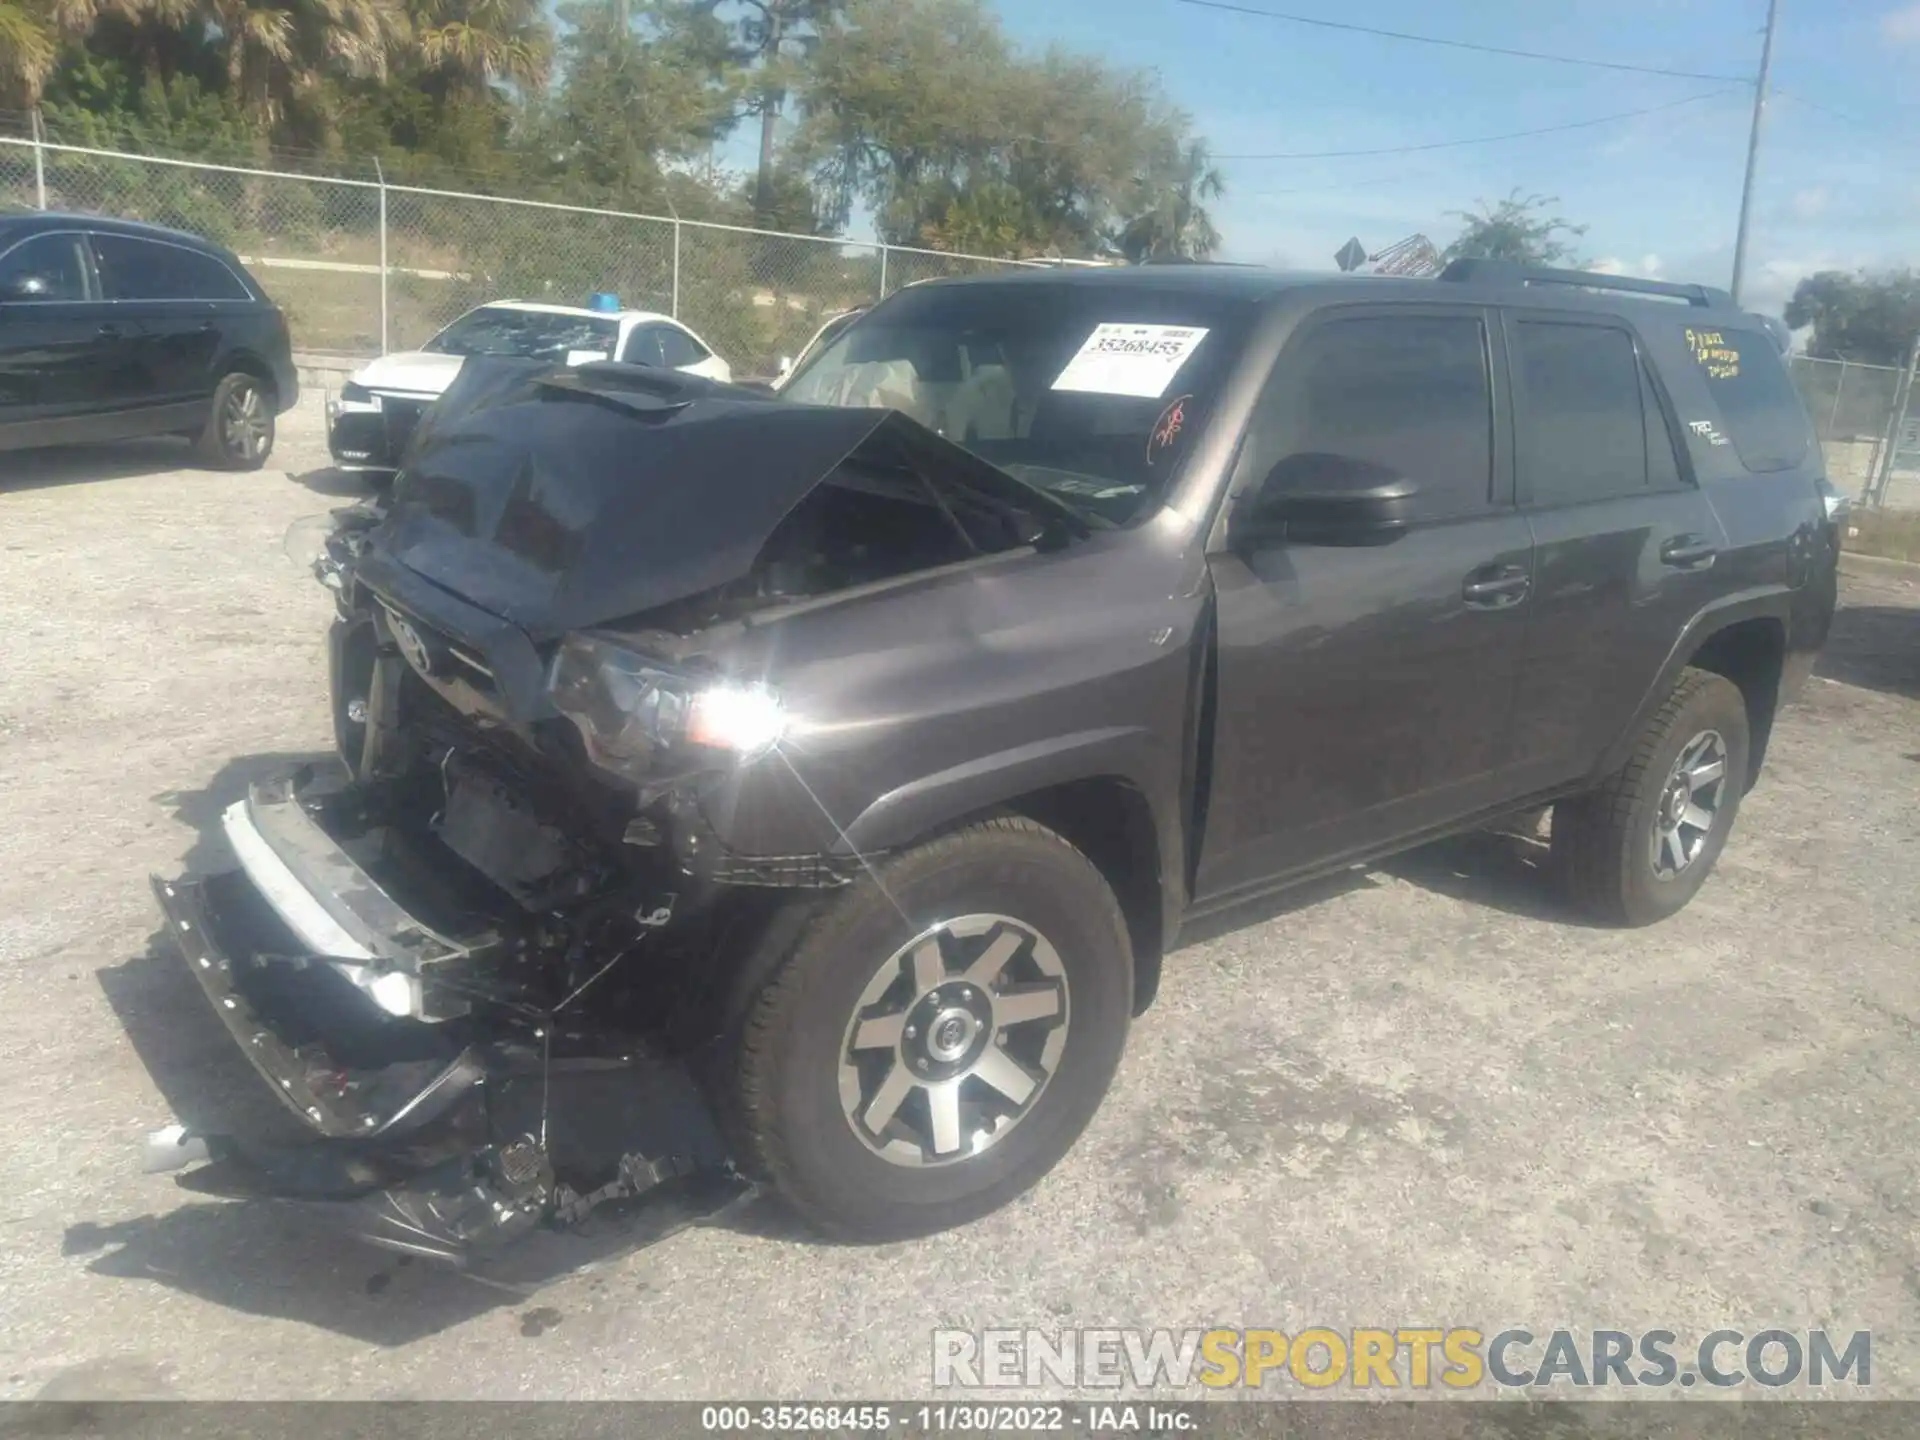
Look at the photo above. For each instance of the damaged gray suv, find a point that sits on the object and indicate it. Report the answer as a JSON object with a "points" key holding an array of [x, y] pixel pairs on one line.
{"points": [[807, 789]]}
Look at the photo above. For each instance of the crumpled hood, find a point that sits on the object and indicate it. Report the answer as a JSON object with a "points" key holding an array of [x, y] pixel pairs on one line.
{"points": [[416, 372], [560, 499]]}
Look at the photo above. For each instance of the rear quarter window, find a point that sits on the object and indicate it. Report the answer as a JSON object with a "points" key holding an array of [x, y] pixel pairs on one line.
{"points": [[1756, 409]]}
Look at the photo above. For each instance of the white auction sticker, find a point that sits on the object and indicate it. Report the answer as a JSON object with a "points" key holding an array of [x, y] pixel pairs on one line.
{"points": [[1130, 359]]}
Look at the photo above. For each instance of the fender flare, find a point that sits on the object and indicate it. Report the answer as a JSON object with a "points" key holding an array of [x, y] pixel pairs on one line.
{"points": [[1129, 754], [1770, 602]]}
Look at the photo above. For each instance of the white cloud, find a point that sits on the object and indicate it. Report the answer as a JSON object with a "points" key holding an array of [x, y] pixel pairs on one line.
{"points": [[1808, 203], [1647, 267], [1902, 26]]}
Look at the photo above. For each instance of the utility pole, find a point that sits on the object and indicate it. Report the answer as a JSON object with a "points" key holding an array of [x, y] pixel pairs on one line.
{"points": [[1753, 150]]}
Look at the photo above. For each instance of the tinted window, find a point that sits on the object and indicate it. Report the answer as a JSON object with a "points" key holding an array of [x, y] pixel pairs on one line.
{"points": [[44, 268], [643, 347], [1760, 411], [1583, 431], [1096, 392], [134, 269], [1409, 392], [679, 347], [527, 334], [1663, 466]]}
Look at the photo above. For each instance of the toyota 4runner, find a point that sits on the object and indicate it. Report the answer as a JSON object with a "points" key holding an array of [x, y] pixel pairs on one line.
{"points": [[808, 788]]}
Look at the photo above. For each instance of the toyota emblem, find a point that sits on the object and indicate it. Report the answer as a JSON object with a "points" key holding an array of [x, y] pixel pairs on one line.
{"points": [[412, 646]]}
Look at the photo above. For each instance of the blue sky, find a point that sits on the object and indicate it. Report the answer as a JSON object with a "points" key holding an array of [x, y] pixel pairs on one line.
{"points": [[1660, 194]]}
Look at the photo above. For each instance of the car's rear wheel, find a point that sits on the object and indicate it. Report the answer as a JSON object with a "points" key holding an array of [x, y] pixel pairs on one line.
{"points": [[1639, 847], [239, 431], [938, 1034]]}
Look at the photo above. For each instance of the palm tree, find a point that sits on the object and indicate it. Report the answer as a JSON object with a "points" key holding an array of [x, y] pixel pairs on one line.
{"points": [[29, 41], [31, 32], [1175, 222], [278, 50], [481, 43]]}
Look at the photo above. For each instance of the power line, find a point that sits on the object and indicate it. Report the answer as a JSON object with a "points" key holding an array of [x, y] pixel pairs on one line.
{"points": [[1480, 139], [1353, 29]]}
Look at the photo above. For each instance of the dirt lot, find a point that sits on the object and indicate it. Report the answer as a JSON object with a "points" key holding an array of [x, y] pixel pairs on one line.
{"points": [[1416, 1097]]}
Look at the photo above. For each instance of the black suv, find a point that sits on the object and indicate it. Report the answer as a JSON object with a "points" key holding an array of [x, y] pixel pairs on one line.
{"points": [[111, 329], [862, 763]]}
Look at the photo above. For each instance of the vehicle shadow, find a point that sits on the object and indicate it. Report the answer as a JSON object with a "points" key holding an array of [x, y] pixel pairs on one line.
{"points": [[82, 464], [1503, 867], [1500, 869], [1275, 906], [1876, 647], [332, 480]]}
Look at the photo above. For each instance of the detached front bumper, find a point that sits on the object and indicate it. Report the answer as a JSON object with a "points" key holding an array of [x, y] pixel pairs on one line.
{"points": [[443, 1138]]}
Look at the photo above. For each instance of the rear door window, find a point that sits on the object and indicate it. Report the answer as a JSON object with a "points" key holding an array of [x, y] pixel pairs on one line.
{"points": [[135, 269], [1581, 405], [1760, 411], [643, 347], [680, 348]]}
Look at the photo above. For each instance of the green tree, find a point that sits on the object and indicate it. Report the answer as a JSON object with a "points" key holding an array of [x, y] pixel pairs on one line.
{"points": [[1864, 317], [483, 43], [647, 87], [900, 108], [1521, 228], [773, 40], [278, 51], [924, 111], [29, 45], [1175, 223]]}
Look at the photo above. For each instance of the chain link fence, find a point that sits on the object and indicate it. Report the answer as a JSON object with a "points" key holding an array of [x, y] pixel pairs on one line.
{"points": [[362, 267], [1857, 409]]}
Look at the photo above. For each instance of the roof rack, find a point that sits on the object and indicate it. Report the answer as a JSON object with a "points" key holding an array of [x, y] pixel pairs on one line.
{"points": [[1508, 272]]}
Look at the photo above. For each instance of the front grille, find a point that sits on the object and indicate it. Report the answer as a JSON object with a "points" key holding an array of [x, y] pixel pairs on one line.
{"points": [[435, 655]]}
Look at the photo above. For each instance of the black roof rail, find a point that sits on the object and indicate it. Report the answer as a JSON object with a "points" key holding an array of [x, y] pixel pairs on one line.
{"points": [[1509, 272]]}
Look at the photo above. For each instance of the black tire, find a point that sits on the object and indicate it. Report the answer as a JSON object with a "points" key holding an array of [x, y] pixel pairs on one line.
{"points": [[239, 432], [1604, 841], [790, 1126]]}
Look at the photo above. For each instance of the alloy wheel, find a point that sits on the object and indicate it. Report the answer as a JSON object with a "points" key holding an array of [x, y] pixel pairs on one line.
{"points": [[245, 427], [1690, 804], [954, 1040]]}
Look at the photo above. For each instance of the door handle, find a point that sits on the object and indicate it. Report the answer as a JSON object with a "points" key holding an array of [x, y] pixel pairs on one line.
{"points": [[110, 332], [1688, 552], [1494, 587]]}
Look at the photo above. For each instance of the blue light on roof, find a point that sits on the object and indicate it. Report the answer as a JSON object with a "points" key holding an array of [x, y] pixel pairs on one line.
{"points": [[604, 302]]}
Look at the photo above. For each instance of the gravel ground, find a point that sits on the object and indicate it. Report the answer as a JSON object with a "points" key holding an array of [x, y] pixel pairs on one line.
{"points": [[1417, 1096]]}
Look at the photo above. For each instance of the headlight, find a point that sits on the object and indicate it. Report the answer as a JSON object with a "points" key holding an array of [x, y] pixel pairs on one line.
{"points": [[627, 708]]}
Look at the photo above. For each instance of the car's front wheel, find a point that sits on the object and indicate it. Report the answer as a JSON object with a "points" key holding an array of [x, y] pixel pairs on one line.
{"points": [[239, 431], [938, 1034]]}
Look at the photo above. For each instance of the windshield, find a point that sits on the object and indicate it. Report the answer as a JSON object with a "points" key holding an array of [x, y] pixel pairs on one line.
{"points": [[1092, 392], [527, 334]]}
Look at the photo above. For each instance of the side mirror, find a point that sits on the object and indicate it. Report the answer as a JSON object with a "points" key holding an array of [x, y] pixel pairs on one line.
{"points": [[1313, 498], [786, 366]]}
